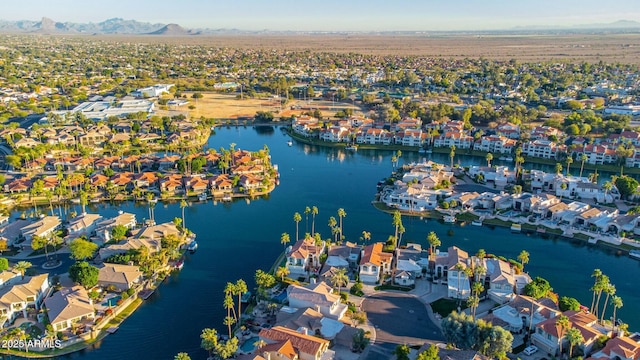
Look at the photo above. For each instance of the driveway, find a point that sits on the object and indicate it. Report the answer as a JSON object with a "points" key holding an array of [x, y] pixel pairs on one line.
{"points": [[400, 318]]}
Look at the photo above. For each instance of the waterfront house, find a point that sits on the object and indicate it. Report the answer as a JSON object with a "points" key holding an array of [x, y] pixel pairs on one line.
{"points": [[308, 347], [43, 227], [619, 348], [318, 296], [123, 277], [410, 263], [547, 337], [495, 144], [542, 148], [145, 179], [103, 227], [304, 256], [25, 293], [171, 183], [597, 154], [461, 140], [374, 263], [83, 224], [503, 281], [335, 134], [12, 232], [457, 280], [522, 312], [314, 321], [69, 306], [9, 277]]}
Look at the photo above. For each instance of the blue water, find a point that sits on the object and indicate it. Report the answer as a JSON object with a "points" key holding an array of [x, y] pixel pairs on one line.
{"points": [[248, 345], [237, 238], [112, 301]]}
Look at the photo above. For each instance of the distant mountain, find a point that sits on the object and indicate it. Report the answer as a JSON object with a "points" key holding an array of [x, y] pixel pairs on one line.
{"points": [[110, 26], [617, 25], [172, 30]]}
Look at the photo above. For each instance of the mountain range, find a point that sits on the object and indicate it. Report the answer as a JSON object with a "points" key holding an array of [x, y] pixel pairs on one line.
{"points": [[133, 27]]}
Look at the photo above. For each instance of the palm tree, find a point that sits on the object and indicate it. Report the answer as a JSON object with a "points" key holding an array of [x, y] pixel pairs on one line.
{"points": [[602, 284], [332, 225], [610, 290], [341, 214], [307, 211], [489, 157], [459, 268], [282, 272], [616, 302], [397, 223], [183, 205], [340, 278], [259, 344], [22, 267], [434, 242], [314, 212], [524, 258], [182, 356], [285, 239], [574, 336], [597, 273], [297, 218], [607, 186], [569, 162], [562, 323], [209, 340], [229, 320], [394, 160], [479, 272], [558, 168], [366, 236], [240, 288], [583, 158], [472, 303], [452, 154]]}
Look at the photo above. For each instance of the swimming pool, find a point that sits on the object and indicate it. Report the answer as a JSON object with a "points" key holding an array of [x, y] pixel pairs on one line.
{"points": [[112, 301], [248, 345]]}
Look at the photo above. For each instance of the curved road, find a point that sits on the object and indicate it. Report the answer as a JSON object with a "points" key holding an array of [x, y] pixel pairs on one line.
{"points": [[400, 318]]}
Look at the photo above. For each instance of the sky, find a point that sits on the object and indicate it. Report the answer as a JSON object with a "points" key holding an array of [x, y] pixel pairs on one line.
{"points": [[334, 15]]}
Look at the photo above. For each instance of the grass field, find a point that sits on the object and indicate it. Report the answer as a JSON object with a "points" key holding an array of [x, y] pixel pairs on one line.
{"points": [[228, 106]]}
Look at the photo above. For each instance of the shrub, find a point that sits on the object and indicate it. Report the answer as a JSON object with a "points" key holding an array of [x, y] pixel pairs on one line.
{"points": [[356, 289], [119, 302], [344, 296]]}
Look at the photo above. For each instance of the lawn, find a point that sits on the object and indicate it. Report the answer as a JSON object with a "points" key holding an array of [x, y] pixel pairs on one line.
{"points": [[445, 306]]}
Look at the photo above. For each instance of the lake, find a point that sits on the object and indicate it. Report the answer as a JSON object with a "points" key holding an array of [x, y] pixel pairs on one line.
{"points": [[237, 238]]}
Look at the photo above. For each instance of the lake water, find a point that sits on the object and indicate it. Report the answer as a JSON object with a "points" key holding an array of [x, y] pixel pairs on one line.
{"points": [[237, 238]]}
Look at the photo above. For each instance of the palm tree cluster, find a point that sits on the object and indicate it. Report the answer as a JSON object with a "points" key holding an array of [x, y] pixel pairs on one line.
{"points": [[602, 285]]}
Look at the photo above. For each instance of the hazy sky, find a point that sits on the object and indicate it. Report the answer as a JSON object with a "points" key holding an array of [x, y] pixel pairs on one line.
{"points": [[358, 15]]}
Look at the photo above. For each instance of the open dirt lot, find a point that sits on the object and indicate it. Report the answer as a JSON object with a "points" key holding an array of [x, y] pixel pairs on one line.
{"points": [[624, 48], [228, 106]]}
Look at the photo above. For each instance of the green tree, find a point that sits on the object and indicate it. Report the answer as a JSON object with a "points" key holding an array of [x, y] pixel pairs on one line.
{"points": [[285, 239], [626, 185], [239, 290], [209, 340], [397, 223], [402, 352], [434, 242], [452, 154], [297, 218], [616, 302], [341, 214], [538, 288], [119, 232], [314, 212], [563, 324], [574, 337], [307, 211], [183, 205], [340, 279], [489, 157], [40, 242], [568, 303], [4, 264], [22, 267], [84, 274], [524, 258], [82, 249], [282, 272], [431, 353], [182, 356], [583, 158]]}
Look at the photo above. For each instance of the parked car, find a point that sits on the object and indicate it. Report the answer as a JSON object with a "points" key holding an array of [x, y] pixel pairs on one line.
{"points": [[530, 350]]}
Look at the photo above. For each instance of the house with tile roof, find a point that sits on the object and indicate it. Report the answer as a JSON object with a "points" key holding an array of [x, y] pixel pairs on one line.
{"points": [[308, 347], [104, 227], [304, 256], [318, 296], [83, 224], [374, 263], [122, 277], [69, 306], [548, 334], [619, 348], [28, 292], [43, 227], [522, 312]]}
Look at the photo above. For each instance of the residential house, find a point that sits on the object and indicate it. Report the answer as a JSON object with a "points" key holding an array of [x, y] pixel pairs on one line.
{"points": [[25, 293], [495, 144], [308, 347], [522, 313], [123, 277], [542, 148], [411, 263], [335, 134], [547, 337], [83, 224], [318, 296], [374, 263], [68, 307], [461, 140], [104, 227], [445, 265], [12, 232], [43, 227], [304, 256], [503, 281], [9, 277], [314, 321], [619, 348]]}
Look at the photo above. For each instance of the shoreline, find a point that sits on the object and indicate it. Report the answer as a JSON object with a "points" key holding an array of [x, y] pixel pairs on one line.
{"points": [[608, 168], [551, 233]]}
